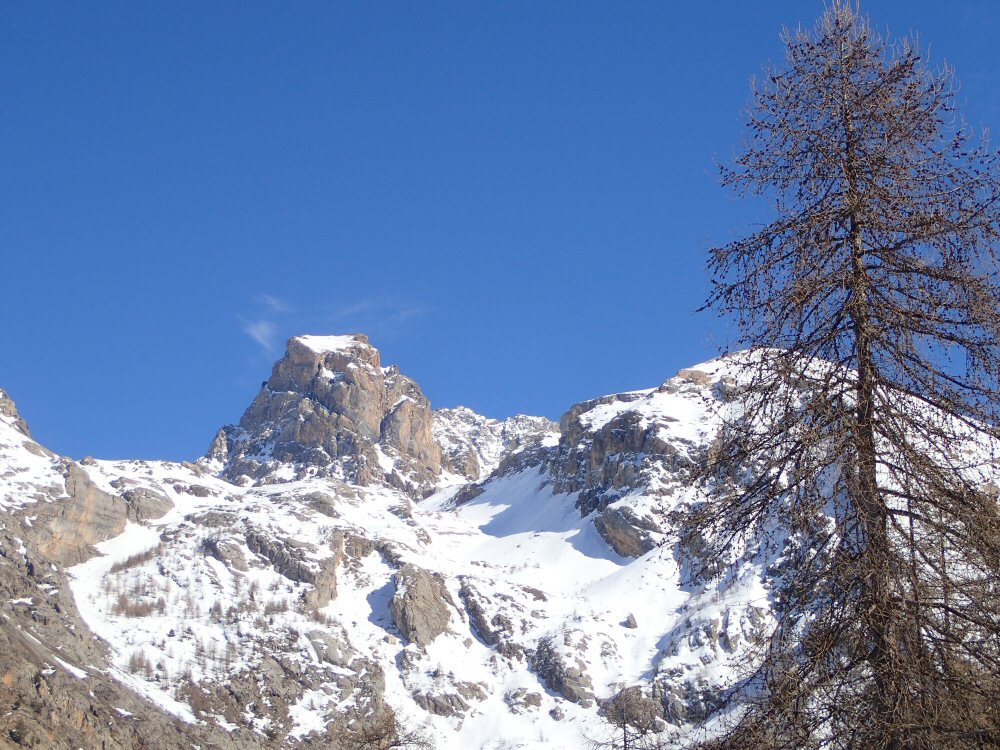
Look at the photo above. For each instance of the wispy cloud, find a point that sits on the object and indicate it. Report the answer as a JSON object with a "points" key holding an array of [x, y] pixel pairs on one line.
{"points": [[262, 326], [272, 303], [264, 332], [377, 313], [270, 318]]}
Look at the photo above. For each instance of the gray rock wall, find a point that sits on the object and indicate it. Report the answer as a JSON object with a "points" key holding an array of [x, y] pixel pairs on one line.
{"points": [[419, 607]]}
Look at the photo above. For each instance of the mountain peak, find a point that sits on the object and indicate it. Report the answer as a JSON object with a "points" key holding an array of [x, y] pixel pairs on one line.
{"points": [[330, 409], [9, 414]]}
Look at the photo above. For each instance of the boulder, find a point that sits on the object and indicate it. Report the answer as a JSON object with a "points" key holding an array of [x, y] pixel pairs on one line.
{"points": [[419, 608], [628, 534], [447, 704], [145, 504]]}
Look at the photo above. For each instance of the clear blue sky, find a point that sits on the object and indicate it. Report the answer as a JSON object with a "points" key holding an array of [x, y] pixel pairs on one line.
{"points": [[512, 199]]}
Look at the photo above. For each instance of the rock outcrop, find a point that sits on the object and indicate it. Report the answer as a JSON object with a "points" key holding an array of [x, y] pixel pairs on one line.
{"points": [[563, 673], [420, 605], [8, 411], [65, 531], [628, 534], [618, 449], [143, 503], [603, 459], [330, 409], [473, 446]]}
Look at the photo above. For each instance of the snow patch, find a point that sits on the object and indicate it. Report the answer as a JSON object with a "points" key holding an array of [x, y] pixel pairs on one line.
{"points": [[327, 344]]}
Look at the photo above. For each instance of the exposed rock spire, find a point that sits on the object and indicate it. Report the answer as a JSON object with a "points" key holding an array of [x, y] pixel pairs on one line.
{"points": [[331, 409], [8, 411]]}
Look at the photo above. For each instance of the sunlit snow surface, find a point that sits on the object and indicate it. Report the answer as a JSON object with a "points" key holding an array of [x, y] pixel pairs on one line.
{"points": [[327, 344], [26, 469]]}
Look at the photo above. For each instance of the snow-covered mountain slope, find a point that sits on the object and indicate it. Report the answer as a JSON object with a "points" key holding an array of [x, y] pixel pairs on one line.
{"points": [[29, 473], [345, 550]]}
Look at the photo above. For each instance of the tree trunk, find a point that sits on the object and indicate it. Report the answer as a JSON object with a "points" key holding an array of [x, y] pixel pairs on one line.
{"points": [[875, 555], [872, 513]]}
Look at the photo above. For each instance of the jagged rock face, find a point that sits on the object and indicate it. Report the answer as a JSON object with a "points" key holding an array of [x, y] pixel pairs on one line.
{"points": [[473, 446], [65, 531], [420, 605], [601, 459], [331, 409], [8, 411], [622, 446], [408, 425]]}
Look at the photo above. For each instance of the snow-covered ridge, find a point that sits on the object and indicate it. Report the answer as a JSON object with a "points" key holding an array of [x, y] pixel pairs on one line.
{"points": [[28, 472], [472, 446]]}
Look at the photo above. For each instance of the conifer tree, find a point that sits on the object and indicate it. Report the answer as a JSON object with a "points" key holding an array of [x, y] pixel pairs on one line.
{"points": [[861, 447]]}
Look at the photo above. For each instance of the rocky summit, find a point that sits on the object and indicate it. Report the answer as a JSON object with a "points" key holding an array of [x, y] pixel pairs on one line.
{"points": [[347, 559], [330, 409]]}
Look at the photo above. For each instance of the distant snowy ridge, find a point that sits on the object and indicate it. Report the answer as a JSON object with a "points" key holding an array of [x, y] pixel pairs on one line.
{"points": [[472, 446]]}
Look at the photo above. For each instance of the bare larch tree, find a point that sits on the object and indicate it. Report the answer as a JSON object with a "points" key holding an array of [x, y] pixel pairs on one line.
{"points": [[862, 441]]}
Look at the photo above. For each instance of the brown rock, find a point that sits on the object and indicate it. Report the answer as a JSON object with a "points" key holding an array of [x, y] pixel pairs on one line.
{"points": [[329, 413], [64, 530], [628, 534], [419, 607]]}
